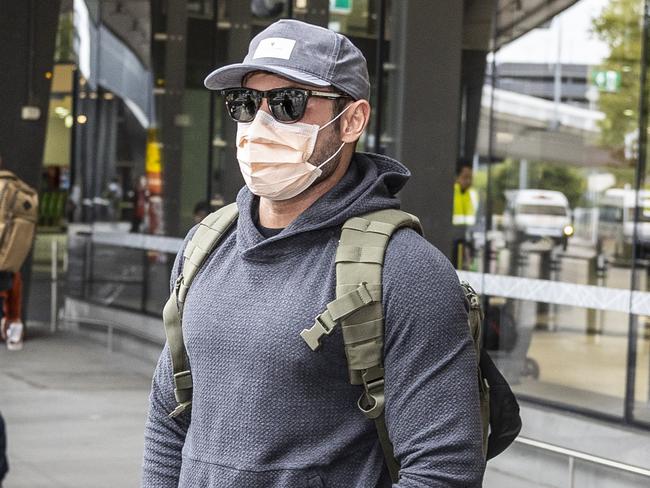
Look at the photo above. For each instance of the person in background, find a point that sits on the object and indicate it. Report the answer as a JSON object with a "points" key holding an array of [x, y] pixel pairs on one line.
{"points": [[140, 204], [464, 217], [114, 194], [13, 329]]}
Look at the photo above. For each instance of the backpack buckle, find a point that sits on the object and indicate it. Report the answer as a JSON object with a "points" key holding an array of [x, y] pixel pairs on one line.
{"points": [[324, 325]]}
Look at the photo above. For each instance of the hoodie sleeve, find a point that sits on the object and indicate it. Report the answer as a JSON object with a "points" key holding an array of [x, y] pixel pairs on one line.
{"points": [[164, 437], [432, 399]]}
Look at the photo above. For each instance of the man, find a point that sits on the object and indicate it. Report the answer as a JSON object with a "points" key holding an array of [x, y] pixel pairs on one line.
{"points": [[266, 410], [465, 207]]}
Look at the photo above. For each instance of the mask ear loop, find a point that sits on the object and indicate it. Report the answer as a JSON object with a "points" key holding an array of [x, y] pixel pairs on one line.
{"points": [[331, 157], [342, 144], [332, 121]]}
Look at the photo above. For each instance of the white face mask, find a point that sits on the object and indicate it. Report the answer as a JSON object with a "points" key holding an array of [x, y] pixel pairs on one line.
{"points": [[273, 157]]}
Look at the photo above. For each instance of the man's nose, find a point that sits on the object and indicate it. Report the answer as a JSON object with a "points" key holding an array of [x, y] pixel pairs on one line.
{"points": [[265, 106]]}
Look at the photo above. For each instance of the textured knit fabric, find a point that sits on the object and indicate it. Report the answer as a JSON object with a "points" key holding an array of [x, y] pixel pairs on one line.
{"points": [[269, 412]]}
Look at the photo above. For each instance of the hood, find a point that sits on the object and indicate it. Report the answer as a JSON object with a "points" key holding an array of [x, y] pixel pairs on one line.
{"points": [[371, 183]]}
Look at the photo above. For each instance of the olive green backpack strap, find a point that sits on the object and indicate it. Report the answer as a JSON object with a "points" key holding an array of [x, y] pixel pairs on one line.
{"points": [[475, 320], [209, 233], [359, 311]]}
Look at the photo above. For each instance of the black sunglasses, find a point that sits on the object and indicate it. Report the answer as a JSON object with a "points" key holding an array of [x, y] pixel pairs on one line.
{"points": [[286, 104]]}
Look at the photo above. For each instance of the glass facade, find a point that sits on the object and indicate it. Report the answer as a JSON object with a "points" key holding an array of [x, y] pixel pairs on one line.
{"points": [[560, 156], [555, 130], [148, 142]]}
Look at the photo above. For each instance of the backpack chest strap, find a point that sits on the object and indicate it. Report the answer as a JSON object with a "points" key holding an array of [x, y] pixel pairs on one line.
{"points": [[337, 310]]}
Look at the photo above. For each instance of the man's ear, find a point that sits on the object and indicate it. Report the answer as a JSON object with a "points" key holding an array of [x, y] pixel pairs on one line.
{"points": [[354, 121]]}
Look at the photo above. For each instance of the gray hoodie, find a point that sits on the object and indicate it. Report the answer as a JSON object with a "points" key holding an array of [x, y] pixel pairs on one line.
{"points": [[269, 412]]}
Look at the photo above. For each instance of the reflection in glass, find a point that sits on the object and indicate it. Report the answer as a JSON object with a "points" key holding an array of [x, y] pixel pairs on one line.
{"points": [[641, 404], [268, 9], [559, 129], [354, 19]]}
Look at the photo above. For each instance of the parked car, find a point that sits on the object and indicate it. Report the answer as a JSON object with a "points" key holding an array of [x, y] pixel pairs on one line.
{"points": [[616, 223], [533, 214]]}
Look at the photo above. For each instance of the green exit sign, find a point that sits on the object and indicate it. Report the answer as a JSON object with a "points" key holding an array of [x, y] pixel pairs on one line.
{"points": [[607, 81], [341, 6]]}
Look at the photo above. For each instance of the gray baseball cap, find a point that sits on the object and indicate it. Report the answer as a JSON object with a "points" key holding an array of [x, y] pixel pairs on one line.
{"points": [[303, 53]]}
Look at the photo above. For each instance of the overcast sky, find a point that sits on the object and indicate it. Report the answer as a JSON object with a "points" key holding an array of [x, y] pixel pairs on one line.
{"points": [[578, 44]]}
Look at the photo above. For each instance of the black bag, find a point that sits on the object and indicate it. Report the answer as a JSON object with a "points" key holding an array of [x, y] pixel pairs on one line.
{"points": [[4, 466], [500, 330], [505, 422]]}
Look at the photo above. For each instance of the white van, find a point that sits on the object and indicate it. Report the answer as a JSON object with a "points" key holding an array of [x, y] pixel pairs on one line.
{"points": [[533, 214], [616, 221]]}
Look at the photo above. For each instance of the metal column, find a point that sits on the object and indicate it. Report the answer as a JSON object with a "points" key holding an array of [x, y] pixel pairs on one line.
{"points": [[238, 39], [425, 100], [172, 107], [28, 32]]}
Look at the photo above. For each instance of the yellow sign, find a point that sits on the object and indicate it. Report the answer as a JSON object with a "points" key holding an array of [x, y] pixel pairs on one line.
{"points": [[153, 163]]}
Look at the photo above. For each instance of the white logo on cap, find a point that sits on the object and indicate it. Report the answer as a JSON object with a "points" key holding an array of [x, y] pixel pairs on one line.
{"points": [[274, 47]]}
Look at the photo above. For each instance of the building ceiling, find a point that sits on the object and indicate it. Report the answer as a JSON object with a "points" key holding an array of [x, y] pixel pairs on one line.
{"points": [[516, 17], [130, 21]]}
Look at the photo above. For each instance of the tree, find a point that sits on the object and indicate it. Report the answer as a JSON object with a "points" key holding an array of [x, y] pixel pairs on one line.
{"points": [[558, 177], [541, 175], [619, 25], [64, 50]]}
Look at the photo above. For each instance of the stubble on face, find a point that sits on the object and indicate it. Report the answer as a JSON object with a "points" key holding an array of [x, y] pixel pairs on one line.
{"points": [[327, 144]]}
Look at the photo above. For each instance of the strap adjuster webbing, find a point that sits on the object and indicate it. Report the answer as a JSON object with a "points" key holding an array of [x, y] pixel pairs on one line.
{"points": [[338, 309]]}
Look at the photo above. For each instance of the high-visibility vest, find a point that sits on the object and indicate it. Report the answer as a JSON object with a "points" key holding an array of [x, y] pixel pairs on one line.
{"points": [[465, 206]]}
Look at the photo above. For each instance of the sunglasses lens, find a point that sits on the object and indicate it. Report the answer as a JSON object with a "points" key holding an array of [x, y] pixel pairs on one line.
{"points": [[242, 104], [287, 105]]}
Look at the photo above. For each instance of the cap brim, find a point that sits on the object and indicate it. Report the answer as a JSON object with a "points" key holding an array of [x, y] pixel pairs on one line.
{"points": [[232, 75]]}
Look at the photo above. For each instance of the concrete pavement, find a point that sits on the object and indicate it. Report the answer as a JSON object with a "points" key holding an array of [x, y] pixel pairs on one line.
{"points": [[75, 413], [75, 416]]}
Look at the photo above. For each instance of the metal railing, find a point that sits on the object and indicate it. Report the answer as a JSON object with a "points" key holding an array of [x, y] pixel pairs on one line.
{"points": [[121, 270], [572, 455], [54, 285], [110, 274]]}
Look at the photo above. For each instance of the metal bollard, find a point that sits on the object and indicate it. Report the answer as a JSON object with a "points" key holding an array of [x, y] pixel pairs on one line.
{"points": [[54, 298], [555, 265], [593, 322], [601, 280]]}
